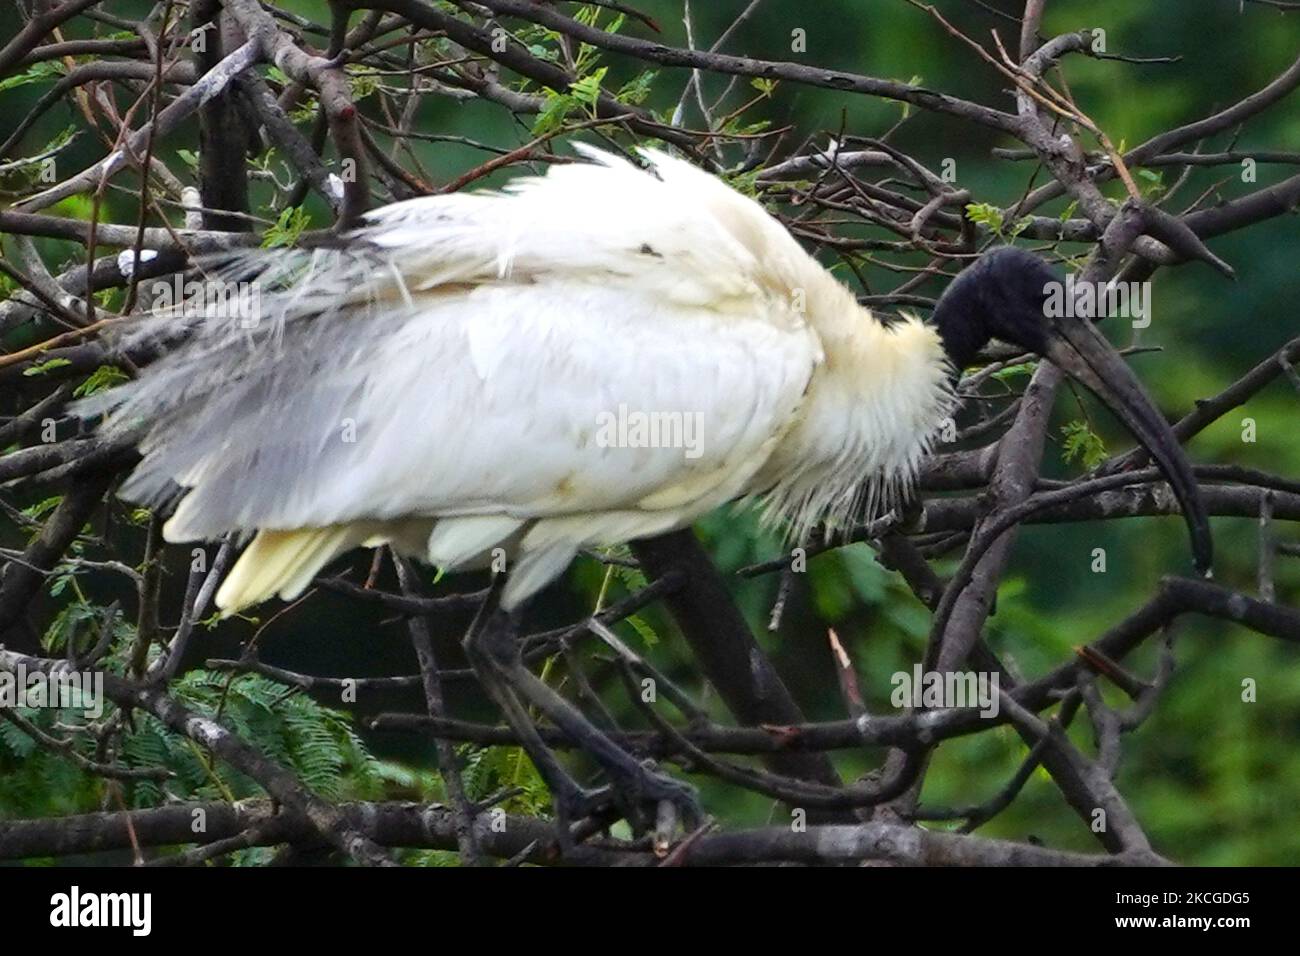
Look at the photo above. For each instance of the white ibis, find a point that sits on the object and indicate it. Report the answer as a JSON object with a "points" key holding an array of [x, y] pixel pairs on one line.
{"points": [[478, 371]]}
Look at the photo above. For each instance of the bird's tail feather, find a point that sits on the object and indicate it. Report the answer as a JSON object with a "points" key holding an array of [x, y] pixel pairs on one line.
{"points": [[455, 542], [284, 563], [534, 570]]}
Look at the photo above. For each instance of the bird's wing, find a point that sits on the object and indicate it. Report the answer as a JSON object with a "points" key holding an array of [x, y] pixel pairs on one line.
{"points": [[513, 354]]}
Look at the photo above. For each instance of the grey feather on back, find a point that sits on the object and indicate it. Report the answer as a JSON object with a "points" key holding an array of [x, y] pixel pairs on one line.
{"points": [[250, 404]]}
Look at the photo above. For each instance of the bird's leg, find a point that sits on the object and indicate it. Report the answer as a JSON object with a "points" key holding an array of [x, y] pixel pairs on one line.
{"points": [[639, 784], [493, 649], [482, 647]]}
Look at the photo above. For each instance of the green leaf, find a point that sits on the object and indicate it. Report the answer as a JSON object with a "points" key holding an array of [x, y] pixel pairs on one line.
{"points": [[985, 214], [643, 630], [906, 106], [551, 118], [81, 206], [1014, 371], [636, 91], [744, 183], [587, 89], [1155, 179], [1082, 443], [106, 376], [32, 165], [42, 508], [19, 744], [47, 366], [363, 80], [288, 227], [735, 127], [307, 111], [36, 73], [63, 629]]}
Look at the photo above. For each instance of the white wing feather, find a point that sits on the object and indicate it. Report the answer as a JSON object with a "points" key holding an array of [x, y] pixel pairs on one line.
{"points": [[460, 356], [500, 400]]}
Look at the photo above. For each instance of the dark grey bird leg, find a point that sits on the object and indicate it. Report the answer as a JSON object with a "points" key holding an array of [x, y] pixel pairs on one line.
{"points": [[570, 799], [493, 650]]}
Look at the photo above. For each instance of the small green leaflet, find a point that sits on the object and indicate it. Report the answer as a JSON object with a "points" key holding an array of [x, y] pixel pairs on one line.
{"points": [[985, 214], [45, 70], [1014, 371], [288, 227], [1155, 179], [1083, 443], [553, 113], [638, 89], [46, 366], [106, 376], [643, 630], [587, 89], [42, 508], [907, 107], [583, 92]]}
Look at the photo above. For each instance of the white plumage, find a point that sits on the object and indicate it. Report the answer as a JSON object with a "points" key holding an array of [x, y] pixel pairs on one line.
{"points": [[439, 382]]}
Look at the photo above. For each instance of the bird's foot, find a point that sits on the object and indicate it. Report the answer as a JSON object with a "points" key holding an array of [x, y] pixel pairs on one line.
{"points": [[645, 796], [650, 799]]}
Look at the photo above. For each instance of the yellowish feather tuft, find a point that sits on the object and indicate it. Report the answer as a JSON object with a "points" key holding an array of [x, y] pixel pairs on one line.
{"points": [[284, 563]]}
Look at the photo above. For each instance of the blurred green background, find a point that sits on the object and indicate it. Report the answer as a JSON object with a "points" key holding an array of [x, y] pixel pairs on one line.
{"points": [[1213, 779]]}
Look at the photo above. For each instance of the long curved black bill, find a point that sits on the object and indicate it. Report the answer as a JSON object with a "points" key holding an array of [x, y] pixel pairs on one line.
{"points": [[1080, 350]]}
